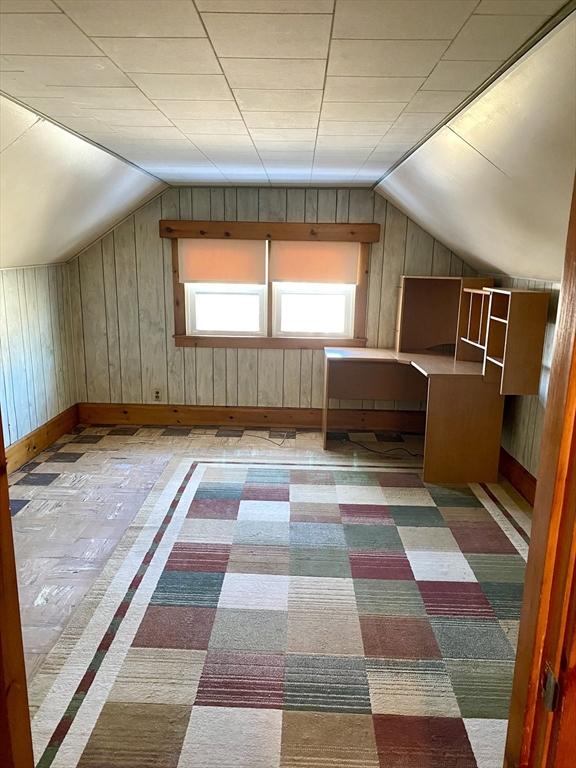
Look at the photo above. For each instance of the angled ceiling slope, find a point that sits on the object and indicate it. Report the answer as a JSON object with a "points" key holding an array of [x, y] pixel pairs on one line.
{"points": [[495, 183], [57, 191], [258, 91]]}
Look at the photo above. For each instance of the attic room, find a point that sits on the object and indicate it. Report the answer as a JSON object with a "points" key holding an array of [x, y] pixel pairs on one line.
{"points": [[287, 383]]}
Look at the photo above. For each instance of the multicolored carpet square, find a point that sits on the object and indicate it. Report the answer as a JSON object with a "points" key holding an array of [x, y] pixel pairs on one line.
{"points": [[298, 618]]}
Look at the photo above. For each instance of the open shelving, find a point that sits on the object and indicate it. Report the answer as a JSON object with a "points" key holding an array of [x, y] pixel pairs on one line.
{"points": [[504, 328]]}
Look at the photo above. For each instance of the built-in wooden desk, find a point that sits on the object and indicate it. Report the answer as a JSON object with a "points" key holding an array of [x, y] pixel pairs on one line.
{"points": [[464, 411]]}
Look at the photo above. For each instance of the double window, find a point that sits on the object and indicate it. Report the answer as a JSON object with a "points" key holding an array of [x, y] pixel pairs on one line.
{"points": [[279, 289]]}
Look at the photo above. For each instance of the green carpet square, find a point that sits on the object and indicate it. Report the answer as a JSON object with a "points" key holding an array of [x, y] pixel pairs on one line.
{"points": [[482, 688], [381, 537], [428, 517]]}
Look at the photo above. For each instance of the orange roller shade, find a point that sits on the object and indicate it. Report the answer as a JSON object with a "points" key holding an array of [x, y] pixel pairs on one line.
{"points": [[305, 262], [222, 261]]}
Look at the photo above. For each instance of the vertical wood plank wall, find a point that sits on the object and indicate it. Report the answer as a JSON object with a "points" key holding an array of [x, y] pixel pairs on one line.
{"points": [[100, 327], [126, 301], [38, 360]]}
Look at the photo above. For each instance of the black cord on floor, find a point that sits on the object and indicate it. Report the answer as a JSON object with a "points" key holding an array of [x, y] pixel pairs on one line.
{"points": [[382, 453]]}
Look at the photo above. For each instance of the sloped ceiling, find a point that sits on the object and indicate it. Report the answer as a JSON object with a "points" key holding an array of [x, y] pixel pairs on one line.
{"points": [[495, 184], [257, 91], [58, 192]]}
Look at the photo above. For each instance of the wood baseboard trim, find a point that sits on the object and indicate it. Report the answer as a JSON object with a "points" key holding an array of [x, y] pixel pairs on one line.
{"points": [[189, 415], [518, 476], [35, 442]]}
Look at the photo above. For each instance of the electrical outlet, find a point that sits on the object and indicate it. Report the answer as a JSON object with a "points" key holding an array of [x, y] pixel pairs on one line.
{"points": [[157, 395]]}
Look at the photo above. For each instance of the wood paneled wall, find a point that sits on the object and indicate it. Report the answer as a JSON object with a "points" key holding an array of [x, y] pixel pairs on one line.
{"points": [[125, 313], [524, 416], [37, 364], [99, 329]]}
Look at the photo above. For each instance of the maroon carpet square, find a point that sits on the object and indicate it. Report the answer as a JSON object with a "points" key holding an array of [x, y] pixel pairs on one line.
{"points": [[242, 680], [400, 480], [485, 538], [368, 514], [311, 477], [265, 492], [372, 564], [394, 637], [205, 558], [455, 598], [167, 626], [422, 742], [215, 509]]}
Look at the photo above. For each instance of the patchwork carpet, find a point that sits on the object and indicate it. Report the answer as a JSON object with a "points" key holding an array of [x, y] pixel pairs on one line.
{"points": [[266, 616]]}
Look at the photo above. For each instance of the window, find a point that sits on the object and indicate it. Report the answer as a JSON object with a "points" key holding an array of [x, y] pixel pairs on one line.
{"points": [[313, 309], [225, 309], [246, 284]]}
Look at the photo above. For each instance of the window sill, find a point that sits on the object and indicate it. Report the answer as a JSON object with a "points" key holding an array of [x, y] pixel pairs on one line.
{"points": [[265, 342]]}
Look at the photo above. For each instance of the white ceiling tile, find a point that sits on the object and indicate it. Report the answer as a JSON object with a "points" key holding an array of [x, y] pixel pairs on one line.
{"points": [[459, 75], [281, 119], [193, 56], [280, 36], [335, 128], [28, 6], [67, 70], [215, 127], [337, 153], [436, 101], [371, 88], [56, 108], [413, 127], [21, 84], [188, 87], [199, 110], [284, 157], [489, 38], [134, 18], [226, 142], [520, 7], [385, 58], [401, 19], [85, 125], [378, 111], [103, 98], [127, 117], [283, 134], [43, 34], [157, 133], [273, 100], [266, 6], [347, 142], [282, 73], [285, 146]]}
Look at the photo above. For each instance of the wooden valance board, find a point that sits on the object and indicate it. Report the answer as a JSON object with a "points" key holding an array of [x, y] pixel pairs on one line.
{"points": [[269, 230]]}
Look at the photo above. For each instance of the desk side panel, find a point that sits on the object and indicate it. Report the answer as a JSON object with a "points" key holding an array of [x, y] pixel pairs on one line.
{"points": [[463, 430]]}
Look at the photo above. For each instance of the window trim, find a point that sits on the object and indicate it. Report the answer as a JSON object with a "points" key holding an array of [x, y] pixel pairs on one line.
{"points": [[365, 234]]}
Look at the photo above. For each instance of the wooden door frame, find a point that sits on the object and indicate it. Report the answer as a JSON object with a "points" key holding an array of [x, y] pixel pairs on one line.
{"points": [[15, 737], [547, 613]]}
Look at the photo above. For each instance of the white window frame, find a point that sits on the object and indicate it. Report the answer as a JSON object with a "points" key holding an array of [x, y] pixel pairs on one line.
{"points": [[281, 288], [192, 289]]}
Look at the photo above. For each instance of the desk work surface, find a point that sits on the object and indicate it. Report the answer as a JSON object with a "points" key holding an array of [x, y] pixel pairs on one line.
{"points": [[429, 365]]}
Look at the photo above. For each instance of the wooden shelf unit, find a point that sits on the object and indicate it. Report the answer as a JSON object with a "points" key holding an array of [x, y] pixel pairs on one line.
{"points": [[515, 339], [429, 312]]}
